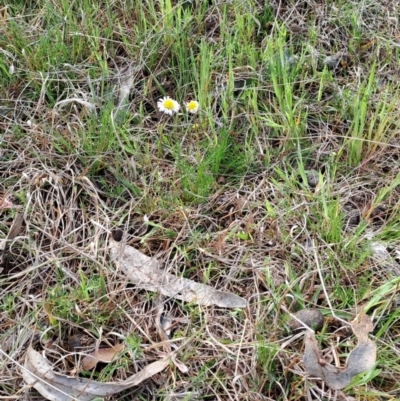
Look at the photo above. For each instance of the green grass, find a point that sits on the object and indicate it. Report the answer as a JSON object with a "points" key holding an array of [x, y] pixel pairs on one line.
{"points": [[272, 191]]}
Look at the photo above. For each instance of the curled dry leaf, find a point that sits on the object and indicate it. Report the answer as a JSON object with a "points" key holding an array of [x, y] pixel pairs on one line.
{"points": [[53, 386], [5, 203], [361, 359], [105, 355], [88, 105], [312, 318], [180, 365], [144, 272]]}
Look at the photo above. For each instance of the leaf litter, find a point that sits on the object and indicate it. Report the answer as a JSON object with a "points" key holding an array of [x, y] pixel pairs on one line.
{"points": [[361, 359], [145, 273], [104, 355], [54, 386]]}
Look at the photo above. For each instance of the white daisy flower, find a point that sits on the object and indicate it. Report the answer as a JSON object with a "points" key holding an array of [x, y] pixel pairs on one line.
{"points": [[168, 106], [192, 107]]}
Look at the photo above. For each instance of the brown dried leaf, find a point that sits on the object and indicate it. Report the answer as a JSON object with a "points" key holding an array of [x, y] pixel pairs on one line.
{"points": [[312, 318], [16, 227], [53, 386], [144, 272], [362, 328], [105, 355], [361, 359], [15, 230], [180, 365]]}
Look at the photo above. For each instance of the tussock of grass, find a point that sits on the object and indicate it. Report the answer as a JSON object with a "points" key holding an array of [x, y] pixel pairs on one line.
{"points": [[273, 190]]}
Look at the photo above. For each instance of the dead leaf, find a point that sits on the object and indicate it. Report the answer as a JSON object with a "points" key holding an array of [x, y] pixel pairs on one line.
{"points": [[180, 365], [15, 230], [88, 105], [362, 328], [53, 386], [5, 203], [161, 330], [105, 355], [312, 318], [16, 227], [361, 359], [144, 272]]}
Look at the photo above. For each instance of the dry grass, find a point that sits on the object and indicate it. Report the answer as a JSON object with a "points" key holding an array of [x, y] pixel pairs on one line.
{"points": [[273, 197]]}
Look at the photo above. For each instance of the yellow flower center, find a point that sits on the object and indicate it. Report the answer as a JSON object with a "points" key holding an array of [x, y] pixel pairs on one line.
{"points": [[192, 106], [169, 104]]}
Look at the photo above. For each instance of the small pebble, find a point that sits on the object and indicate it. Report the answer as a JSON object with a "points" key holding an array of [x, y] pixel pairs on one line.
{"points": [[312, 178]]}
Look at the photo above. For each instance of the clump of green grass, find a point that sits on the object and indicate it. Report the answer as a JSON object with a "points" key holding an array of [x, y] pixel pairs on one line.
{"points": [[86, 303]]}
